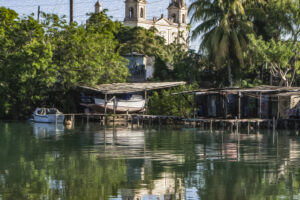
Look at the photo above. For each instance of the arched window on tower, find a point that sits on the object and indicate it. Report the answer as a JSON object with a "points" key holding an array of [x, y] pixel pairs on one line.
{"points": [[142, 13], [174, 18], [131, 13], [183, 18]]}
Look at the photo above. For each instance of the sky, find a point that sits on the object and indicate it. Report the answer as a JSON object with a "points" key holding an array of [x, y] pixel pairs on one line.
{"points": [[116, 8]]}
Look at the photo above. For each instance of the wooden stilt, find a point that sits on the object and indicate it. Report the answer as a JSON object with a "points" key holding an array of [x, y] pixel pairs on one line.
{"points": [[260, 105], [105, 108], [274, 124], [248, 127], [239, 105]]}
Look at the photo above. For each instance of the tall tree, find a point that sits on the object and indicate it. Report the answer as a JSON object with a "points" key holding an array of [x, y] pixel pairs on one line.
{"points": [[25, 63], [223, 26]]}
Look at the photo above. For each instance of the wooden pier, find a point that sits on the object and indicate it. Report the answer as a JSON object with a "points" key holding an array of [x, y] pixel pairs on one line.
{"points": [[207, 123]]}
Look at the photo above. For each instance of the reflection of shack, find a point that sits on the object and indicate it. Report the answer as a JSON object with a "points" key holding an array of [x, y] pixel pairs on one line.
{"points": [[141, 67], [259, 102], [167, 188]]}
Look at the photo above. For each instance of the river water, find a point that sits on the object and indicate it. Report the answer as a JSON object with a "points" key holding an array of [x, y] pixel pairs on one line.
{"points": [[41, 161]]}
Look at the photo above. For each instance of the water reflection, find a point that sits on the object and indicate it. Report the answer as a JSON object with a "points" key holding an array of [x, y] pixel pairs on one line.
{"points": [[94, 162], [42, 130]]}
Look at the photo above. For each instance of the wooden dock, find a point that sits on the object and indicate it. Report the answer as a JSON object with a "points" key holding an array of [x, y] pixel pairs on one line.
{"points": [[208, 123]]}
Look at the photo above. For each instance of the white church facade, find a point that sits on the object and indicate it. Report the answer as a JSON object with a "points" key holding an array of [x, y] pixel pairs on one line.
{"points": [[174, 28]]}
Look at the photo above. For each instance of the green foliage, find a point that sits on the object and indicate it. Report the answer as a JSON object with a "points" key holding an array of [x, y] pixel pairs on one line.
{"points": [[166, 103], [223, 27], [141, 40], [276, 54], [54, 55], [25, 63]]}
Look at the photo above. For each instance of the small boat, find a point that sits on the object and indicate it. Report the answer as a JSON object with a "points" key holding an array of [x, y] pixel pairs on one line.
{"points": [[48, 115], [134, 104]]}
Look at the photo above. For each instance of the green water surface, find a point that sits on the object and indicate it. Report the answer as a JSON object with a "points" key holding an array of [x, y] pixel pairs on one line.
{"points": [[42, 161]]}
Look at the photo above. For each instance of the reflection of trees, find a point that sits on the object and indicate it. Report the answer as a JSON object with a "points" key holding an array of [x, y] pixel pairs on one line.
{"points": [[246, 167], [243, 181], [38, 169], [92, 163]]}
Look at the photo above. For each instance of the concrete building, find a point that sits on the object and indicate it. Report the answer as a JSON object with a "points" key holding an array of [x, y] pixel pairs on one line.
{"points": [[141, 67]]}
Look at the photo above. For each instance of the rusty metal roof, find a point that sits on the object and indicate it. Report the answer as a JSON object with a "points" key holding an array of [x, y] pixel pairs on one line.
{"points": [[122, 88]]}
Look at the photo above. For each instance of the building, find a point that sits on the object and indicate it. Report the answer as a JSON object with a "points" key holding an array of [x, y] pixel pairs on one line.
{"points": [[173, 28], [141, 67]]}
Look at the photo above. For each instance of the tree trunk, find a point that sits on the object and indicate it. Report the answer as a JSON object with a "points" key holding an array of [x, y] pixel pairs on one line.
{"points": [[229, 73]]}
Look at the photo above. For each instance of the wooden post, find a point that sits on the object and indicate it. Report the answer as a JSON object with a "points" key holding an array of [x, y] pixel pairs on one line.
{"points": [[114, 106], [260, 108], [274, 124], [194, 106], [248, 127], [236, 125], [239, 105], [105, 109], [146, 101], [211, 123], [127, 118], [225, 96], [277, 108]]}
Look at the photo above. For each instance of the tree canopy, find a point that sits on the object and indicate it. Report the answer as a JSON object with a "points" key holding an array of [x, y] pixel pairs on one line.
{"points": [[54, 55]]}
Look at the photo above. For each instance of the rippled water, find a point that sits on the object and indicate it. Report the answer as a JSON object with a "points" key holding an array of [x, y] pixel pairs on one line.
{"points": [[40, 161]]}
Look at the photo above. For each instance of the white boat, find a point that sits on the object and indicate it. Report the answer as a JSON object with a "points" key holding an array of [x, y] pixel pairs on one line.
{"points": [[48, 115], [134, 104]]}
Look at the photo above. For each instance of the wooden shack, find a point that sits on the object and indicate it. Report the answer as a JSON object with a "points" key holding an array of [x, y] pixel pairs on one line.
{"points": [[118, 90], [263, 102]]}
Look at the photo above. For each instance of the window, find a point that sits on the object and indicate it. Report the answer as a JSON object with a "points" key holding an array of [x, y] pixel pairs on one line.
{"points": [[183, 18], [142, 13], [174, 18], [131, 13]]}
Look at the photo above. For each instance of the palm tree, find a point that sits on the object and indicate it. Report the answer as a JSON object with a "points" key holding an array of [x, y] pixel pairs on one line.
{"points": [[223, 26]]}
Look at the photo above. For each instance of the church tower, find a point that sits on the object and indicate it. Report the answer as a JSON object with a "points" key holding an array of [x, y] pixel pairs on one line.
{"points": [[98, 7], [135, 10], [177, 12]]}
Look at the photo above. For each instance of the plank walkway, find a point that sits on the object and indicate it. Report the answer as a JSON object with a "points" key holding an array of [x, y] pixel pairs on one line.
{"points": [[210, 123]]}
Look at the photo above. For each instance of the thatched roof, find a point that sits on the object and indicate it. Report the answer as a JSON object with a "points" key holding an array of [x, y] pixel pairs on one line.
{"points": [[123, 88]]}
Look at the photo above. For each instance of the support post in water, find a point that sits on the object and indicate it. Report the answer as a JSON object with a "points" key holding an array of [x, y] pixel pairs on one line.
{"points": [[239, 105], [248, 127], [105, 108], [236, 125], [146, 101], [260, 104], [274, 124]]}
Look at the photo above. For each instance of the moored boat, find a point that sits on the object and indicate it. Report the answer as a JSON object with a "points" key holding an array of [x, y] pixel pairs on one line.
{"points": [[48, 115], [134, 104]]}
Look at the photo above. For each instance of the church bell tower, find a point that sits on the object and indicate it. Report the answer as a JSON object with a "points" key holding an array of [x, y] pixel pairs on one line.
{"points": [[135, 10], [177, 12], [98, 7]]}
